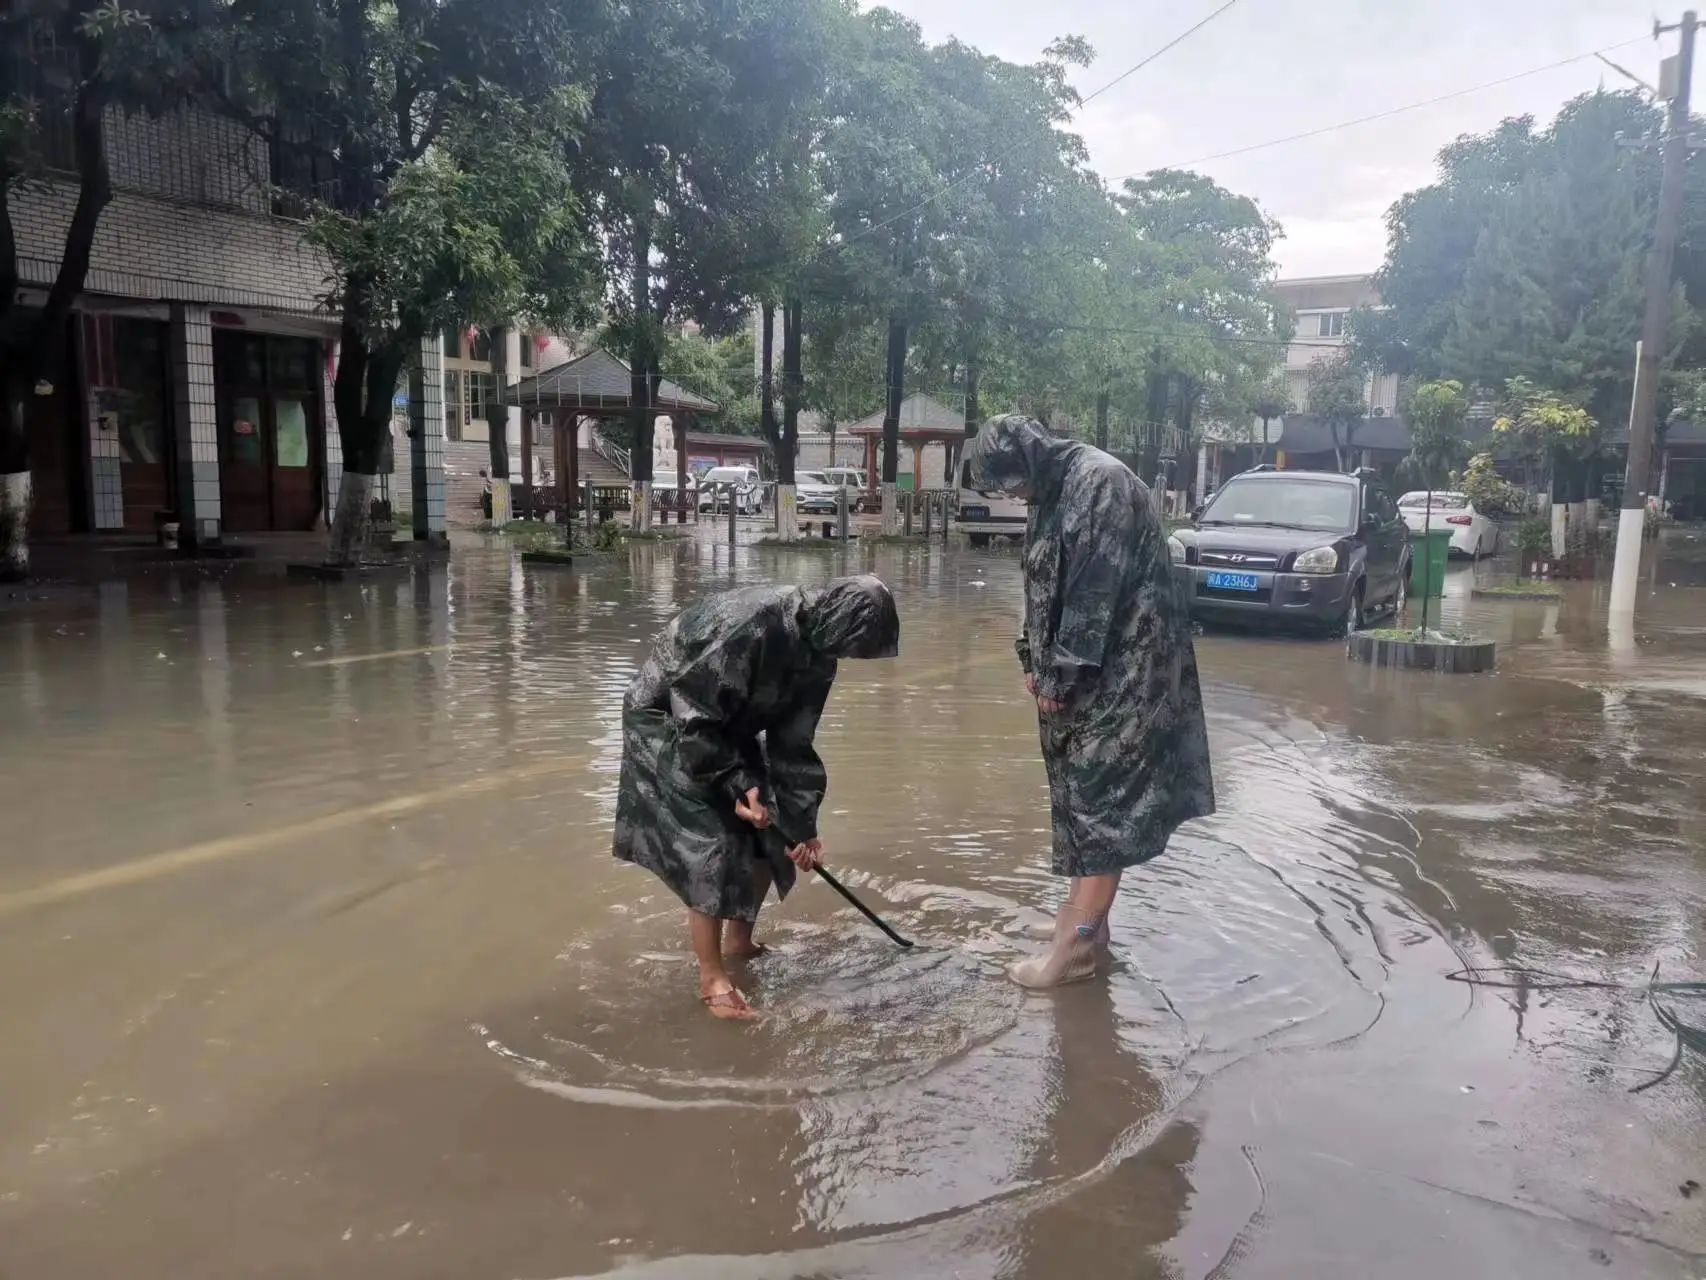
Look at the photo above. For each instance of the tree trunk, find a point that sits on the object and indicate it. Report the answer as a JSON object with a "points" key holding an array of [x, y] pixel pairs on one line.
{"points": [[974, 412], [497, 432], [767, 376], [35, 348], [787, 522], [681, 495], [640, 359], [1155, 413], [362, 393], [1338, 446], [1102, 419], [895, 387]]}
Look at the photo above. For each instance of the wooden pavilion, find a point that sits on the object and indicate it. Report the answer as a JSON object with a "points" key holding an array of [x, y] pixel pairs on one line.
{"points": [[595, 385], [924, 421]]}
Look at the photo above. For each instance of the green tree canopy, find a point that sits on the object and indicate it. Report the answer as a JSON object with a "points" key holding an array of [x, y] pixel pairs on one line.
{"points": [[1338, 396], [1527, 257]]}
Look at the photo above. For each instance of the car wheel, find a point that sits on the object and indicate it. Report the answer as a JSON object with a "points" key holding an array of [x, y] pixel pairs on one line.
{"points": [[978, 539], [1353, 619]]}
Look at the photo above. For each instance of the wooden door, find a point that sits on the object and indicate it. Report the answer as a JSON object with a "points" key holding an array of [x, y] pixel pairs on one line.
{"points": [[271, 439], [244, 485], [295, 496], [140, 401]]}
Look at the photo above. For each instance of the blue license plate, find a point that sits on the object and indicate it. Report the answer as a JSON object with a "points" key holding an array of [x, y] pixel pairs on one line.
{"points": [[1232, 581]]}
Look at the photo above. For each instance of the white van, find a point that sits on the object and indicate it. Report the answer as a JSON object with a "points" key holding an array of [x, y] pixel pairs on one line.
{"points": [[743, 484], [988, 514]]}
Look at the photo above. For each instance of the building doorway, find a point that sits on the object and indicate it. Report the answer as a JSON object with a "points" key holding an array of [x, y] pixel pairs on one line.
{"points": [[271, 430]]}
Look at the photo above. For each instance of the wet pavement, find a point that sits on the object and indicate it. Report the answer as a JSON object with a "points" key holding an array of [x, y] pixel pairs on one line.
{"points": [[318, 965]]}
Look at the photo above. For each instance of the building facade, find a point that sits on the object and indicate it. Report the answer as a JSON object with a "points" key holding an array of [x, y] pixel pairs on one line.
{"points": [[1322, 306], [198, 383]]}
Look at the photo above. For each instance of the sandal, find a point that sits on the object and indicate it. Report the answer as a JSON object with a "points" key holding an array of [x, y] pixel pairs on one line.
{"points": [[729, 1005]]}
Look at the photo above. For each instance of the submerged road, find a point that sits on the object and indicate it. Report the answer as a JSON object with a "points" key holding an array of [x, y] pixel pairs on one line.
{"points": [[317, 964]]}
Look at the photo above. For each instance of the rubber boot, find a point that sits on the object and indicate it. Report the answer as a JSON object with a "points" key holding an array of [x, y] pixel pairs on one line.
{"points": [[1079, 942]]}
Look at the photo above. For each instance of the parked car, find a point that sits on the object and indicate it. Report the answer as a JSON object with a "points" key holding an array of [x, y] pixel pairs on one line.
{"points": [[1472, 534], [985, 514], [814, 494], [741, 485], [1312, 546], [844, 477]]}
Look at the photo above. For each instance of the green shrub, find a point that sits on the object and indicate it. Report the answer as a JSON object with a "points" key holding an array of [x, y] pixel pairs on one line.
{"points": [[1493, 495]]}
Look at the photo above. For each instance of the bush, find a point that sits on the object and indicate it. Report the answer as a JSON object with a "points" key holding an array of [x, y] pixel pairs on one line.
{"points": [[1493, 495], [606, 536], [1533, 542]]}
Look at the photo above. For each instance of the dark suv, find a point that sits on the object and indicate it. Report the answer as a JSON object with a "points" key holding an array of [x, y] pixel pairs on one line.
{"points": [[1314, 545]]}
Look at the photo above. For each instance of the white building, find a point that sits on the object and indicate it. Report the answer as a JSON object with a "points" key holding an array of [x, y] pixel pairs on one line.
{"points": [[1322, 305], [199, 382]]}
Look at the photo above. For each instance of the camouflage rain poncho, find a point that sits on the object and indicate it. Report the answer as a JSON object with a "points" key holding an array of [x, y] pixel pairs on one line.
{"points": [[1107, 634], [730, 700]]}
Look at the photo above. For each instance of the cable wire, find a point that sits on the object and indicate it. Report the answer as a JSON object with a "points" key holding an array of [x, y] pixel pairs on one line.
{"points": [[1688, 1035], [1184, 35], [1387, 114]]}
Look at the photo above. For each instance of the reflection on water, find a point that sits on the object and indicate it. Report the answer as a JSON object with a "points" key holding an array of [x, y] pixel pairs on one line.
{"points": [[331, 973]]}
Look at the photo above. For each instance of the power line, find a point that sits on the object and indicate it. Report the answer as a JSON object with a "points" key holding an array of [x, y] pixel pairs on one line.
{"points": [[975, 172], [1387, 114], [1176, 40]]}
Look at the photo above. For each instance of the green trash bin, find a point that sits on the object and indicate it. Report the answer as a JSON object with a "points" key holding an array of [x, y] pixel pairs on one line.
{"points": [[1427, 561]]}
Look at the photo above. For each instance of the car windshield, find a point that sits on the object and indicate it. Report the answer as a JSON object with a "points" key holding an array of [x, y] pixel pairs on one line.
{"points": [[1285, 504], [1442, 501], [811, 477]]}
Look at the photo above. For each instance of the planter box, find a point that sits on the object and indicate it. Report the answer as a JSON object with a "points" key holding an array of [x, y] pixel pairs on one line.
{"points": [[1468, 658], [558, 559]]}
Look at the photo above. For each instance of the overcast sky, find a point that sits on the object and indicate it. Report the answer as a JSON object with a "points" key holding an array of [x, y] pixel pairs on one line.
{"points": [[1268, 68]]}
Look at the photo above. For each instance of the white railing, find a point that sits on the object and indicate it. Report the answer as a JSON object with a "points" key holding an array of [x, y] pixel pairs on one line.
{"points": [[612, 453]]}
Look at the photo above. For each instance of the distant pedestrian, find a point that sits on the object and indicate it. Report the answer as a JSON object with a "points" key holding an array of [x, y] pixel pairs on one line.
{"points": [[1107, 654], [485, 493], [720, 781]]}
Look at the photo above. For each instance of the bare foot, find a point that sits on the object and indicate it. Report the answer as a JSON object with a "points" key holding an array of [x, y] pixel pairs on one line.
{"points": [[726, 1003], [747, 950]]}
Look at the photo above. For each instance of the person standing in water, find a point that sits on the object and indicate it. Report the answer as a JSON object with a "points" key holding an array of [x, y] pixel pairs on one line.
{"points": [[1107, 655], [720, 782]]}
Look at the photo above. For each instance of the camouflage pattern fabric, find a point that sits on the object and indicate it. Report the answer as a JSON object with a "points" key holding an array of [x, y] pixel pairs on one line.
{"points": [[729, 700], [1108, 635]]}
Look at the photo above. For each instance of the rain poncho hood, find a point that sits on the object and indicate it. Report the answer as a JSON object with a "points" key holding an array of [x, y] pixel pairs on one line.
{"points": [[1014, 452], [853, 618], [1107, 633], [730, 700]]}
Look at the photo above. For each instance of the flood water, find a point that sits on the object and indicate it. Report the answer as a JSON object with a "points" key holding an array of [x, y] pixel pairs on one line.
{"points": [[316, 962]]}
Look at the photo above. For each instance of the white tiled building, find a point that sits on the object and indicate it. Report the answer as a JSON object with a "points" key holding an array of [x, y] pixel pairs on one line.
{"points": [[1322, 305], [198, 388]]}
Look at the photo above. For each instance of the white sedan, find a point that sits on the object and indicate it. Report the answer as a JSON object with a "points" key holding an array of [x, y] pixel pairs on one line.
{"points": [[1472, 534]]}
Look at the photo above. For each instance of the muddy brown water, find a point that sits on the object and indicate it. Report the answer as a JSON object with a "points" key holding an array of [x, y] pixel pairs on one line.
{"points": [[316, 963]]}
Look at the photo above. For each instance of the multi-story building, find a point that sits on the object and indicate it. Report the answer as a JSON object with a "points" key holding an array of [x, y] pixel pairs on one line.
{"points": [[1322, 306], [198, 384]]}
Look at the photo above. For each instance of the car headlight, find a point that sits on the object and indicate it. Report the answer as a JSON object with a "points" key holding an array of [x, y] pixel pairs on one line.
{"points": [[1175, 549], [1320, 560]]}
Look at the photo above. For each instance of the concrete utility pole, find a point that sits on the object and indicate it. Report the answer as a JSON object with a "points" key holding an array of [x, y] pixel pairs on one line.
{"points": [[1643, 412]]}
